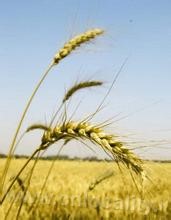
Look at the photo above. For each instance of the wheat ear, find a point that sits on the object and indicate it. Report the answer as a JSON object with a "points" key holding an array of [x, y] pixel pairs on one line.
{"points": [[71, 91], [38, 126], [63, 52], [96, 135], [80, 85], [85, 131], [76, 42], [100, 179]]}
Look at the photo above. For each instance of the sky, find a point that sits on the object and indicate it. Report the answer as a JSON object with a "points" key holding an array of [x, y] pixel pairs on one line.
{"points": [[31, 32]]}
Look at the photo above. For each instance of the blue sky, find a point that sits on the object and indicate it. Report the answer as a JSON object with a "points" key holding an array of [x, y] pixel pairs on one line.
{"points": [[31, 33]]}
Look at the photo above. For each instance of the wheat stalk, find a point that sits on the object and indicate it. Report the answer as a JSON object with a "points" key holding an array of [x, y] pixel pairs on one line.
{"points": [[20, 183]]}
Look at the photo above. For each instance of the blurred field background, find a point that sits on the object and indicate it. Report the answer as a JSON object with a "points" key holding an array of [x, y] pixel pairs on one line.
{"points": [[67, 194]]}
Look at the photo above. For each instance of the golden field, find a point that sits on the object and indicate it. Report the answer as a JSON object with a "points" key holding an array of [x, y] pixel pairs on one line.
{"points": [[67, 193]]}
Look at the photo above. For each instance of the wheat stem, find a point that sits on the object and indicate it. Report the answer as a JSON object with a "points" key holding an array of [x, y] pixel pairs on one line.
{"points": [[18, 174], [12, 146]]}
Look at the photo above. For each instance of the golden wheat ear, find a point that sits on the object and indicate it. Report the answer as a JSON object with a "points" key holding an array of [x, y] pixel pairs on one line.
{"points": [[114, 148], [75, 42], [71, 91], [79, 86]]}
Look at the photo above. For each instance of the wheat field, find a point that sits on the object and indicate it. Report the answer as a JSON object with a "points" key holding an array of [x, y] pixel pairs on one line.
{"points": [[124, 187], [79, 190]]}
